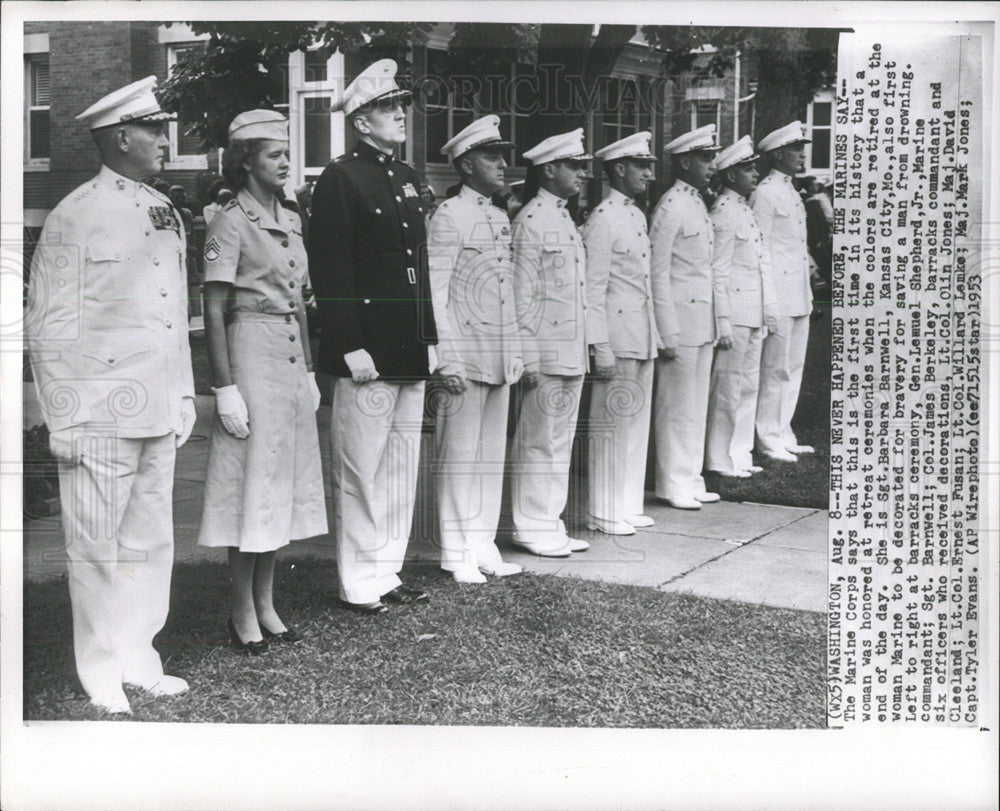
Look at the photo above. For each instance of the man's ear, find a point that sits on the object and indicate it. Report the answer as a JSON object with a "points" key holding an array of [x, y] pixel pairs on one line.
{"points": [[361, 124], [619, 169], [549, 171], [122, 139], [465, 164], [684, 161]]}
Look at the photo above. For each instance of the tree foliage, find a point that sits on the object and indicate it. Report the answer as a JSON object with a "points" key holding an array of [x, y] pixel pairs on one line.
{"points": [[242, 65]]}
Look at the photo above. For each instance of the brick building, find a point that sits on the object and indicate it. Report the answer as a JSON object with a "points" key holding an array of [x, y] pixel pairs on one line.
{"points": [[68, 65]]}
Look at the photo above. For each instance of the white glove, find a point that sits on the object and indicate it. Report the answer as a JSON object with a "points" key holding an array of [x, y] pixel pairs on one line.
{"points": [[314, 390], [725, 333], [432, 359], [517, 368], [188, 417], [62, 447], [232, 410], [604, 360], [361, 365]]}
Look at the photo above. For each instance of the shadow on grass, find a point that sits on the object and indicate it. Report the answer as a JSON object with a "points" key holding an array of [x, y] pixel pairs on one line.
{"points": [[530, 650]]}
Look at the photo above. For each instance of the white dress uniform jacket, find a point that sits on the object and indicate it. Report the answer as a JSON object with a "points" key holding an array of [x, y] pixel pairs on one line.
{"points": [[471, 270], [781, 216], [742, 279], [682, 237], [619, 313], [472, 284], [619, 287], [106, 326], [550, 276], [681, 233], [106, 321], [744, 298]]}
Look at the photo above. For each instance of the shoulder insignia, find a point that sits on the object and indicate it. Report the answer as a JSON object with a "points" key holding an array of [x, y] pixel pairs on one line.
{"points": [[212, 250], [231, 204]]}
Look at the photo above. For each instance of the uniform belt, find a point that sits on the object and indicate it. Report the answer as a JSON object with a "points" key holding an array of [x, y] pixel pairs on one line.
{"points": [[247, 315]]}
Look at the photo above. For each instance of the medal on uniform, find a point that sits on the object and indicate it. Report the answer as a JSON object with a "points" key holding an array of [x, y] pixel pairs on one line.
{"points": [[163, 218], [410, 191]]}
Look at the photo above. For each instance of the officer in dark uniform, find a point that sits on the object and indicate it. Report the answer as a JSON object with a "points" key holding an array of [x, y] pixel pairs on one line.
{"points": [[366, 247]]}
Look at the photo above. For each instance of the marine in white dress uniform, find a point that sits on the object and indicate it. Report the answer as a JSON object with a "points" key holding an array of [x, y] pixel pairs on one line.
{"points": [[745, 308], [621, 331], [106, 327], [681, 235], [781, 216], [479, 352], [550, 280]]}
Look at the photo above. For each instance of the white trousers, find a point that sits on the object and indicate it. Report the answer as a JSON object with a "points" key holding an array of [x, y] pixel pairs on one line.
{"points": [[540, 453], [470, 442], [375, 434], [681, 416], [618, 440], [732, 402], [117, 515], [782, 360]]}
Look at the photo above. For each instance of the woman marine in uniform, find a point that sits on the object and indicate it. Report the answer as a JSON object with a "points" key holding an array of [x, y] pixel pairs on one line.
{"points": [[264, 485]]}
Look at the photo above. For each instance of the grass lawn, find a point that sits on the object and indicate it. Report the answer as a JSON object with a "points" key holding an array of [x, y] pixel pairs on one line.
{"points": [[805, 483], [530, 650]]}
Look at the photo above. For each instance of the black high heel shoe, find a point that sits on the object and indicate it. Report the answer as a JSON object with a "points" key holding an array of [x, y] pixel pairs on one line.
{"points": [[289, 636], [246, 648]]}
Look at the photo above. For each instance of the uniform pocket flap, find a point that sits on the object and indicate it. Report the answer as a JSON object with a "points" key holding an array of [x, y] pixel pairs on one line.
{"points": [[692, 229], [619, 246], [104, 251]]}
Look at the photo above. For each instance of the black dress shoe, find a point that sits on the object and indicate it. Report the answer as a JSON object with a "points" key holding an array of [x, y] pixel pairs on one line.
{"points": [[255, 648], [378, 607], [289, 636], [403, 595]]}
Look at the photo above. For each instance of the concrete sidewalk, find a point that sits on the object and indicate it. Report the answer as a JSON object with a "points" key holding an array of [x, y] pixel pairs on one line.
{"points": [[751, 553]]}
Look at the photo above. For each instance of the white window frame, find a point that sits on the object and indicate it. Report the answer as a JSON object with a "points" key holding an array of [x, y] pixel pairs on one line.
{"points": [[176, 160], [702, 93], [298, 90], [822, 97], [603, 126], [35, 46]]}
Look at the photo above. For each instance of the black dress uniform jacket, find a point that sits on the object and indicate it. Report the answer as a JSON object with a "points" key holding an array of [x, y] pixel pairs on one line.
{"points": [[367, 262]]}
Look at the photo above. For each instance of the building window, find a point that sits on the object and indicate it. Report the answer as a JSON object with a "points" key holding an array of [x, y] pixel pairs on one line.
{"points": [[819, 122], [185, 149], [447, 111], [36, 130], [705, 106], [621, 112]]}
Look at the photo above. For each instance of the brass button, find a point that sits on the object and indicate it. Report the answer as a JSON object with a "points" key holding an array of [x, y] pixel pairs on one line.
{"points": [[169, 324], [156, 260], [284, 243], [291, 338], [291, 284], [291, 263], [292, 359], [288, 319], [163, 291]]}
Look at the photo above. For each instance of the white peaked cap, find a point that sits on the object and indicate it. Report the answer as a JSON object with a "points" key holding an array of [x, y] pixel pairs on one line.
{"points": [[740, 152], [134, 102], [567, 146], [481, 133], [699, 140], [635, 146], [377, 81], [793, 133]]}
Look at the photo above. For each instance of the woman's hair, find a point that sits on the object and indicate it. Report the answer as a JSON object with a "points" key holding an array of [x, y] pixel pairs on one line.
{"points": [[233, 158]]}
